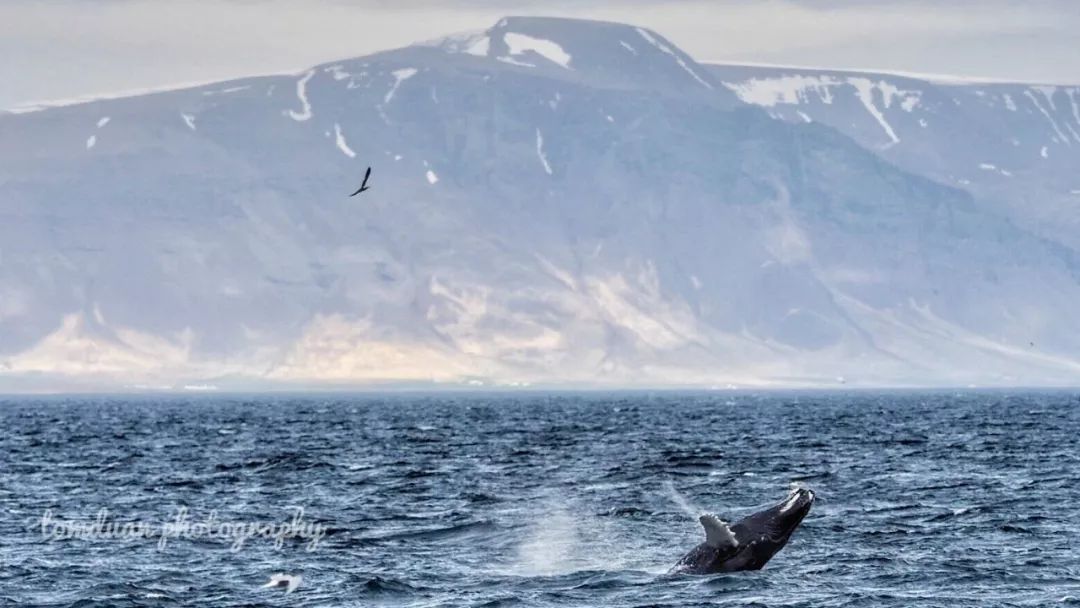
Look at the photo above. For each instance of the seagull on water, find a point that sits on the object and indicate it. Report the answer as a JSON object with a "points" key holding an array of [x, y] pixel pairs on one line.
{"points": [[289, 581]]}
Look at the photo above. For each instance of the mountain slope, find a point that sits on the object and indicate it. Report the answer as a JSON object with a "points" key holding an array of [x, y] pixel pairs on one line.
{"points": [[581, 214], [1016, 146]]}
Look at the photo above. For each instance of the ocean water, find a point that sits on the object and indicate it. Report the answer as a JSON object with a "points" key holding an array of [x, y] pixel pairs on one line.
{"points": [[924, 499]]}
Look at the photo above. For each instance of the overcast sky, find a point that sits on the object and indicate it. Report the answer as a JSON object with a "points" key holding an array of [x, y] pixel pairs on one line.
{"points": [[59, 49]]}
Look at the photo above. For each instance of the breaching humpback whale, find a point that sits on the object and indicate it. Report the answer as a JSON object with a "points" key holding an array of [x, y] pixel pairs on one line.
{"points": [[750, 542]]}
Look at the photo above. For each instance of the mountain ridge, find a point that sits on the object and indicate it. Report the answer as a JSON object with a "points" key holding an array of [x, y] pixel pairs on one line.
{"points": [[526, 224]]}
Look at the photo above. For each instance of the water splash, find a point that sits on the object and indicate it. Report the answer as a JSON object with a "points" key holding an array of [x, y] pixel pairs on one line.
{"points": [[692, 510], [552, 545], [563, 539]]}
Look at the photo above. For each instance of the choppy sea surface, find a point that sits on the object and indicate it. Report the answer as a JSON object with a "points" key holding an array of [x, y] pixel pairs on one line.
{"points": [[942, 499]]}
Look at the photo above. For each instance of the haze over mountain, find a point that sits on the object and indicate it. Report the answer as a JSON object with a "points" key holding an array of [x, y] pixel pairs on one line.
{"points": [[552, 202]]}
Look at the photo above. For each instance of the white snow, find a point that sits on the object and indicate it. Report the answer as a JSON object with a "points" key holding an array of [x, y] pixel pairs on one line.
{"points": [[991, 167], [1075, 105], [222, 91], [431, 177], [341, 143], [397, 157], [1053, 123], [1048, 92], [540, 151], [1045, 153], [520, 43], [768, 92], [666, 49], [301, 92], [338, 72], [400, 76], [865, 89], [91, 141], [609, 118], [513, 61], [104, 121], [1009, 103], [479, 47], [189, 120], [803, 116], [945, 79], [794, 89], [628, 47], [695, 281], [922, 122]]}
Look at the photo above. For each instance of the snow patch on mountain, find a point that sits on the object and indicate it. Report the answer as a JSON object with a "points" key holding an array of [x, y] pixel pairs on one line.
{"points": [[400, 76], [512, 61], [301, 93], [520, 44], [341, 143], [540, 152], [1073, 94], [479, 47], [337, 72], [788, 90], [1030, 94], [666, 49], [866, 96]]}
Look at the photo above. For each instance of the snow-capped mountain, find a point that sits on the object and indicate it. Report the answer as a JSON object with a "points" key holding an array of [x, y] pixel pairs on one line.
{"points": [[552, 201], [1015, 146]]}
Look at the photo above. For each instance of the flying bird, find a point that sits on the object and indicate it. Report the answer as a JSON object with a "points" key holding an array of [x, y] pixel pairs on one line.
{"points": [[364, 185], [288, 581]]}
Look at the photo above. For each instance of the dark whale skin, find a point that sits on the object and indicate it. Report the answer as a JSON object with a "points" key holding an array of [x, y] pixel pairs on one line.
{"points": [[758, 537]]}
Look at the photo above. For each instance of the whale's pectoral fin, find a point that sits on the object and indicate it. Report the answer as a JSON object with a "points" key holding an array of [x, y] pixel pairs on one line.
{"points": [[717, 532]]}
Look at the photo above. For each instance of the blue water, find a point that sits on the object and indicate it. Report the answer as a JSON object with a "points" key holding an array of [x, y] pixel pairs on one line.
{"points": [[568, 500]]}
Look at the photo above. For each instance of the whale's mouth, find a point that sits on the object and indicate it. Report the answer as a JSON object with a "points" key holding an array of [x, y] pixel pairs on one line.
{"points": [[782, 519], [800, 498]]}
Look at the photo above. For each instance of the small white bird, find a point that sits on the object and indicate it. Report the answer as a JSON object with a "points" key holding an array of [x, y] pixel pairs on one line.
{"points": [[289, 581]]}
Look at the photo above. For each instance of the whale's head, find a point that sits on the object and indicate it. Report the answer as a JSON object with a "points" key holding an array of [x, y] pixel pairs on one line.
{"points": [[764, 533]]}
